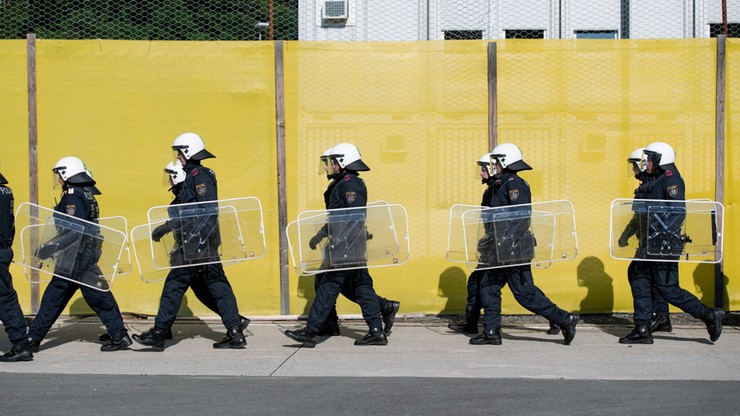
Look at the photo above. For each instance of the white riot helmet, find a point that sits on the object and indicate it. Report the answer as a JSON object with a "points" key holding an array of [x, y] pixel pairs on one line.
{"points": [[510, 157], [72, 170], [660, 153], [348, 157], [485, 162], [175, 173], [636, 160], [191, 146]]}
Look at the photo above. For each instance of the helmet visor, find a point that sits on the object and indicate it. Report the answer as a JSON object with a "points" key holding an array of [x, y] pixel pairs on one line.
{"points": [[325, 166]]}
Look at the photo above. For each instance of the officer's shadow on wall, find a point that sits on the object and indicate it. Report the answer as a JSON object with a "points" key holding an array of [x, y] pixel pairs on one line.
{"points": [[600, 296], [453, 286], [307, 291], [704, 284]]}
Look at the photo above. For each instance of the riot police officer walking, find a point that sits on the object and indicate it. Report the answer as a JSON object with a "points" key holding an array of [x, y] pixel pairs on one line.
{"points": [[10, 310]]}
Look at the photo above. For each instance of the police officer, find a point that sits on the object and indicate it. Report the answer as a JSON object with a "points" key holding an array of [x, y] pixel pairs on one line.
{"points": [[349, 191], [388, 308], [515, 191], [80, 203], [660, 320], [200, 243], [472, 310], [666, 184], [486, 248], [10, 311]]}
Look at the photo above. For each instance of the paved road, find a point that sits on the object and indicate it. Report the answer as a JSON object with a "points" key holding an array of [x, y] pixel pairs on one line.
{"points": [[425, 370]]}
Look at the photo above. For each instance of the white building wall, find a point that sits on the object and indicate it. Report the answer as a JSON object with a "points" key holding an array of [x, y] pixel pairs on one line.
{"points": [[533, 14], [590, 15], [410, 20], [657, 19]]}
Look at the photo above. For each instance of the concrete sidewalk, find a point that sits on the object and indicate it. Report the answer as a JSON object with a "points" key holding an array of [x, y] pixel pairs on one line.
{"points": [[415, 349]]}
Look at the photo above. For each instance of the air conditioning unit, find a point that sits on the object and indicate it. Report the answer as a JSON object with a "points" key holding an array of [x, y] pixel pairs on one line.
{"points": [[335, 10]]}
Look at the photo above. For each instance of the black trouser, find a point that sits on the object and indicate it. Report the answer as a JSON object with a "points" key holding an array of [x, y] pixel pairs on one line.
{"points": [[348, 291], [10, 310], [57, 296], [664, 277], [331, 284], [207, 278], [659, 303], [521, 283]]}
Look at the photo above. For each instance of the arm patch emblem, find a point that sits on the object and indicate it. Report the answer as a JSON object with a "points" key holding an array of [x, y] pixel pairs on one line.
{"points": [[350, 196], [672, 191], [200, 189], [513, 194], [71, 208]]}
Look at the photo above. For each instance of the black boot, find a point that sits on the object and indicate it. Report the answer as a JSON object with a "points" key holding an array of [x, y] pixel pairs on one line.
{"points": [[554, 329], [234, 339], [569, 328], [660, 323], [152, 338], [488, 336], [34, 344], [374, 337], [640, 335], [713, 319], [17, 353], [117, 342], [330, 329], [388, 315], [464, 327], [304, 336], [243, 322]]}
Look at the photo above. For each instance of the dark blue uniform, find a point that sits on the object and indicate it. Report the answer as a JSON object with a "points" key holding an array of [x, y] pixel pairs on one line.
{"points": [[514, 191], [348, 191], [486, 249], [199, 186], [178, 279], [668, 185], [10, 310], [359, 275], [638, 229], [78, 202]]}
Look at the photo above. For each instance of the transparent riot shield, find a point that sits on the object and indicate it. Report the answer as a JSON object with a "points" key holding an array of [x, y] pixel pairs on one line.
{"points": [[456, 244], [226, 231], [662, 230], [125, 266], [57, 244], [537, 234], [148, 254], [349, 238]]}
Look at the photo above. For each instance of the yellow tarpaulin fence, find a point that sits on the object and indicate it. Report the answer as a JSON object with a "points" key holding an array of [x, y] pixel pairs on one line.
{"points": [[418, 112]]}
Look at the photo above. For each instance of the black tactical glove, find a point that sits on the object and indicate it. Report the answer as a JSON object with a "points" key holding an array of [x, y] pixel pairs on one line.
{"points": [[160, 232], [624, 237], [46, 251], [315, 240]]}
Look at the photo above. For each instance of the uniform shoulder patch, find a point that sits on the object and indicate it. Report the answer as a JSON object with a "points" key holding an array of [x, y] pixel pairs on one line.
{"points": [[672, 191], [350, 196], [200, 189], [669, 173], [347, 178], [513, 194], [71, 208], [510, 179], [70, 191], [194, 172]]}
